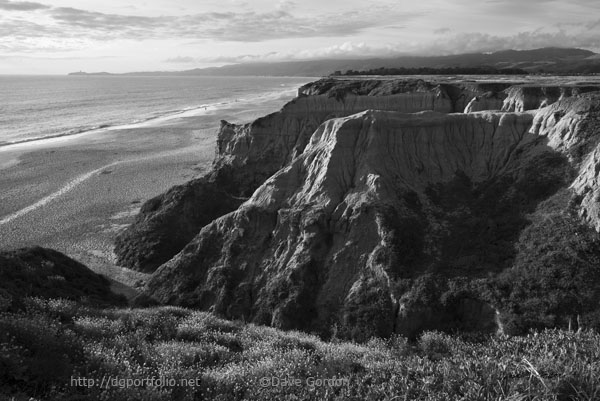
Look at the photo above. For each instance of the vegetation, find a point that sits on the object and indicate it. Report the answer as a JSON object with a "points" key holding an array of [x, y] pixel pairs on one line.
{"points": [[47, 345], [483, 70], [554, 280], [41, 272]]}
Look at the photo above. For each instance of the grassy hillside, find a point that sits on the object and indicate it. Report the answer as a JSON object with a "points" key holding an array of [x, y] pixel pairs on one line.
{"points": [[47, 345], [42, 272]]}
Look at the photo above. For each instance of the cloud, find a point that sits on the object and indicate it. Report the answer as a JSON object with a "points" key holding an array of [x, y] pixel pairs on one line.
{"points": [[47, 58], [453, 44], [181, 60], [351, 50], [285, 5], [346, 50], [20, 29], [593, 24], [481, 42], [238, 26], [68, 28], [107, 25], [21, 5], [442, 31], [10, 46]]}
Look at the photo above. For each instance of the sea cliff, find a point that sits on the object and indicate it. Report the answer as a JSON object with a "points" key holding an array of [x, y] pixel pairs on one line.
{"points": [[379, 207]]}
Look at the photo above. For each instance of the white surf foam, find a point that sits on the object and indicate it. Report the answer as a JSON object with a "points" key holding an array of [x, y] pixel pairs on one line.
{"points": [[47, 199]]}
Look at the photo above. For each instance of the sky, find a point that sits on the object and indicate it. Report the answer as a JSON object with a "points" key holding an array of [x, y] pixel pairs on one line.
{"points": [[61, 36]]}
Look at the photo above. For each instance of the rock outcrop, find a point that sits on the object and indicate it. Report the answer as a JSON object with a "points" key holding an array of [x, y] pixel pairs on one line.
{"points": [[167, 222], [248, 154], [375, 200], [487, 101], [374, 222], [530, 97]]}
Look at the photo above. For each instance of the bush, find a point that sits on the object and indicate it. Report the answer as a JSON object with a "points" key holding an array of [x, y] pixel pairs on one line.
{"points": [[556, 274], [37, 351], [434, 344]]}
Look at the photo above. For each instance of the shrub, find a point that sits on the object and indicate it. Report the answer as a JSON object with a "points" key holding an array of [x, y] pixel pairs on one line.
{"points": [[435, 344], [153, 324], [197, 325], [46, 352]]}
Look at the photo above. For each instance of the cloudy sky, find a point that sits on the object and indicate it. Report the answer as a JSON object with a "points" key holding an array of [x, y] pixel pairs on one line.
{"points": [[59, 36]]}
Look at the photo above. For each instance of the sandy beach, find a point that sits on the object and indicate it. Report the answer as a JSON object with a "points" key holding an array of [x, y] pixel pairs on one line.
{"points": [[75, 193]]}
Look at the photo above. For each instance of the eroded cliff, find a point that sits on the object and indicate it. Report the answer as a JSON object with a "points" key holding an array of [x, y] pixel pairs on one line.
{"points": [[385, 220], [344, 233], [531, 97], [248, 154]]}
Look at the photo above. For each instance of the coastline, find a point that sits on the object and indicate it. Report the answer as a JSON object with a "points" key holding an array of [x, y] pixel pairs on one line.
{"points": [[196, 111], [74, 193]]}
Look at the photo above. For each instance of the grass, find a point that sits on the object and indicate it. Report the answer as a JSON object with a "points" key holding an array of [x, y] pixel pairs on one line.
{"points": [[45, 345], [41, 272]]}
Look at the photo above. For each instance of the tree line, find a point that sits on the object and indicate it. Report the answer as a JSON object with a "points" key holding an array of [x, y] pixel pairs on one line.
{"points": [[484, 70]]}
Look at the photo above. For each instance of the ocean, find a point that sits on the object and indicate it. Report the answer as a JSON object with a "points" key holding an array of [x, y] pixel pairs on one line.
{"points": [[37, 107]]}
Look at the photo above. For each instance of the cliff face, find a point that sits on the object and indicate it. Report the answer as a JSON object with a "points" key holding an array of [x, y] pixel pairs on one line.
{"points": [[530, 97], [376, 200], [167, 222], [487, 101], [258, 149], [377, 221], [250, 153], [247, 155], [583, 133]]}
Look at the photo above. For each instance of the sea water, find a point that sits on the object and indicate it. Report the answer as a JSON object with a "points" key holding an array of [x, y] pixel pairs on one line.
{"points": [[37, 107]]}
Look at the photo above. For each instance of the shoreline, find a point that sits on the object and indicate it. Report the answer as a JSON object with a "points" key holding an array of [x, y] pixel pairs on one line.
{"points": [[163, 117], [74, 193]]}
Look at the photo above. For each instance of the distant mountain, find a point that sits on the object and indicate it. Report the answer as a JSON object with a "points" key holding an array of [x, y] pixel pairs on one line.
{"points": [[546, 60]]}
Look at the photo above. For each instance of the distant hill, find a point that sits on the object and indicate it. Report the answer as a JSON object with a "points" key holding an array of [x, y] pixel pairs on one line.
{"points": [[483, 70], [546, 60]]}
